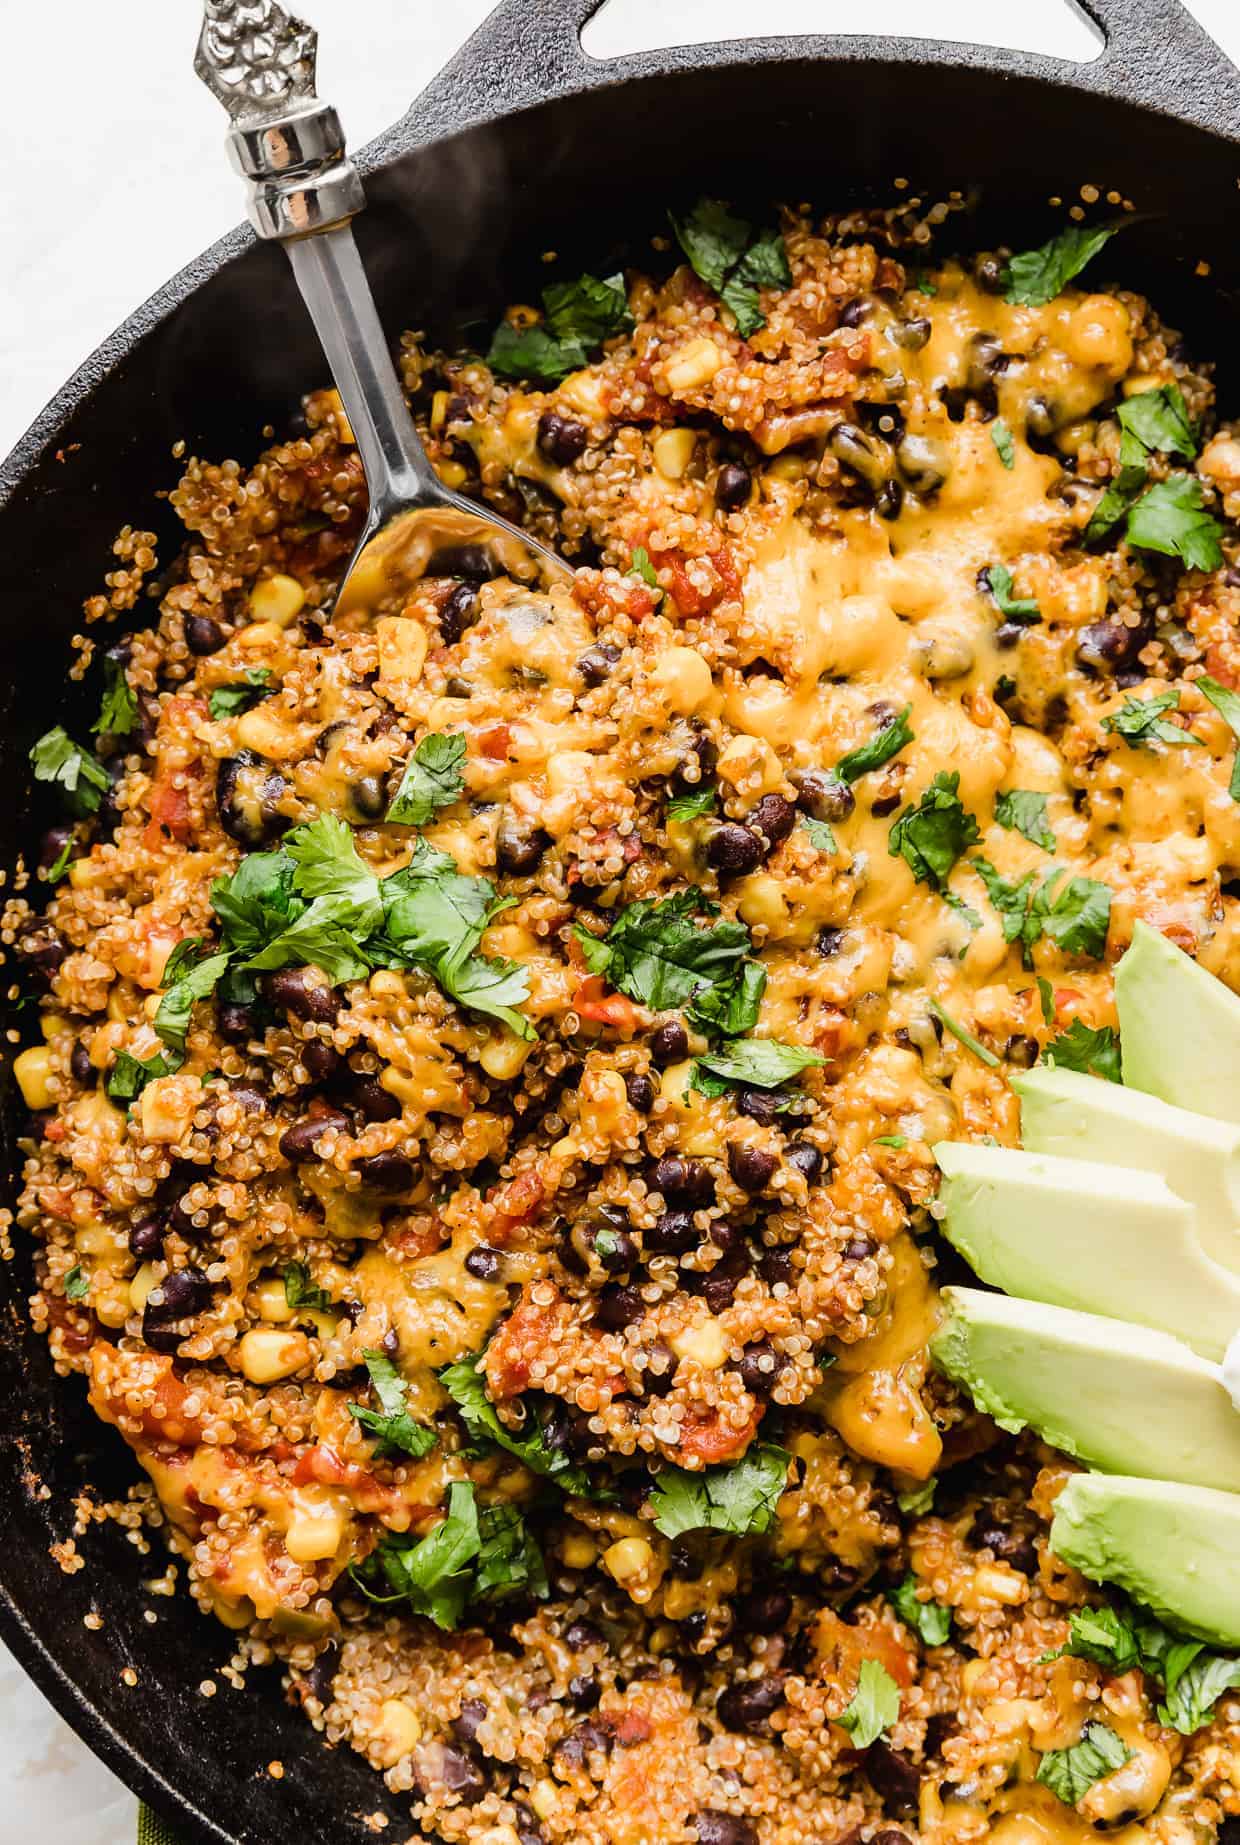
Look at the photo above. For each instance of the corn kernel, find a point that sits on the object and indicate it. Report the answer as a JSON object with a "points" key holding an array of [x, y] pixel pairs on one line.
{"points": [[703, 1343], [267, 1354], [1000, 1584], [694, 365], [400, 1730], [141, 1286], [167, 1107], [579, 1550], [33, 1070], [271, 1301], [54, 1025], [762, 903], [402, 647], [673, 451], [545, 1798], [439, 411], [279, 599], [344, 428], [312, 1536], [452, 473], [503, 1055], [263, 731], [583, 391], [684, 678], [628, 1558]]}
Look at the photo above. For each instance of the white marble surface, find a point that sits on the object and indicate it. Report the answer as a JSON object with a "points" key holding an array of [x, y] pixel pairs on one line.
{"points": [[114, 176]]}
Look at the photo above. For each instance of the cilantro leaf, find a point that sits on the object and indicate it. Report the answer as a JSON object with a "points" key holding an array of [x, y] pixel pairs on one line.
{"points": [[1005, 447], [532, 352], [59, 865], [1095, 1053], [692, 805], [395, 1428], [759, 1063], [719, 251], [931, 836], [129, 1075], [930, 1619], [588, 310], [740, 1497], [300, 1291], [1021, 922], [896, 1141], [57, 758], [1193, 1692], [188, 977], [656, 954], [732, 1007], [875, 1705], [435, 917], [917, 1503], [1141, 721], [1070, 1773], [433, 778], [227, 700], [964, 1037], [77, 1285], [641, 566], [118, 709], [1022, 810], [1116, 502], [894, 736], [1192, 1678], [1021, 609], [493, 987], [508, 1556], [764, 265], [257, 902], [1159, 419], [328, 864], [820, 834], [1227, 704], [465, 1384], [433, 1573], [1035, 277], [1170, 519], [1078, 917], [1046, 999]]}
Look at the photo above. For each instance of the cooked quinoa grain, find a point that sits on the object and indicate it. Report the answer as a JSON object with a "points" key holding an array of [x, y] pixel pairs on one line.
{"points": [[505, 1236]]}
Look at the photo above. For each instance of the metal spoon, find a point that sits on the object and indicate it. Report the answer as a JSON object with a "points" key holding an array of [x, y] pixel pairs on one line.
{"points": [[303, 190]]}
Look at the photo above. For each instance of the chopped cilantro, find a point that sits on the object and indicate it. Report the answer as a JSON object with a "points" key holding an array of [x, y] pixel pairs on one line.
{"points": [[917, 1503], [758, 1063], [719, 250], [532, 352], [928, 1619], [1046, 998], [1005, 447], [1078, 916], [656, 954], [188, 977], [820, 834], [433, 778], [1141, 721], [59, 865], [1159, 419], [1035, 277], [394, 1428], [227, 700], [931, 836], [1096, 1053], [1170, 519], [1227, 704], [1070, 1773], [875, 1705], [964, 1037], [1021, 609], [471, 1555], [300, 1291], [693, 805], [77, 1285], [1121, 1638], [641, 566], [129, 1075], [57, 758], [580, 315], [118, 709], [1023, 810], [465, 1384], [894, 736], [890, 1140], [740, 1497]]}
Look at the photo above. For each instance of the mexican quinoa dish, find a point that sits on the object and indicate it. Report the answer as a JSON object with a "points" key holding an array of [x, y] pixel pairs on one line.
{"points": [[489, 1055]]}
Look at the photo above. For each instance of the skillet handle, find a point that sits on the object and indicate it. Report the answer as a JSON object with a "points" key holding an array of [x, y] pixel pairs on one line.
{"points": [[1145, 39]]}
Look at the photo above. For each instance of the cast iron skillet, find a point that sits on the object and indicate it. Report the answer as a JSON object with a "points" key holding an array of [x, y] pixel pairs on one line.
{"points": [[520, 146]]}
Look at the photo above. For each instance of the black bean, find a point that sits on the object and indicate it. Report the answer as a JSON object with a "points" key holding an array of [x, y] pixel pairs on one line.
{"points": [[83, 1070], [179, 1296], [657, 1376], [43, 949], [669, 1043], [855, 311], [759, 1104], [889, 500], [923, 462], [584, 1691], [640, 1090], [733, 486], [751, 1167], [320, 1060], [890, 1835], [474, 562], [459, 612], [303, 993], [298, 1142], [529, 1832], [748, 1704], [612, 1247], [1041, 420], [247, 792], [822, 795], [987, 360], [372, 1100], [465, 1725], [462, 1776], [859, 1248], [203, 634], [732, 850], [913, 334], [805, 1159], [318, 1680], [855, 450], [828, 942], [1022, 1050], [596, 663], [672, 1234], [716, 1828], [586, 1740], [235, 1022], [774, 818], [251, 1099], [562, 439], [484, 1264], [617, 1307], [1015, 1548], [146, 1239], [519, 844], [1110, 646], [369, 796], [683, 1181], [776, 1266], [386, 1172], [895, 1778], [52, 845], [760, 1368], [700, 755], [764, 1611], [580, 1634]]}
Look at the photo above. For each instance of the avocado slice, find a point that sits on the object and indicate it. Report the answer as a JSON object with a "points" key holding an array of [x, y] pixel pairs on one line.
{"points": [[1064, 1112], [1179, 1028], [1074, 1233], [1118, 1397], [1176, 1548]]}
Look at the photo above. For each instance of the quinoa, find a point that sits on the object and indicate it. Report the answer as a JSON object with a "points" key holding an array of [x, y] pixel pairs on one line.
{"points": [[360, 1176]]}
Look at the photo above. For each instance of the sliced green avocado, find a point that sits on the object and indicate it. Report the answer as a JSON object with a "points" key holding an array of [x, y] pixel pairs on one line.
{"points": [[1116, 1396], [1063, 1112], [1074, 1233], [1175, 1548], [1179, 1028]]}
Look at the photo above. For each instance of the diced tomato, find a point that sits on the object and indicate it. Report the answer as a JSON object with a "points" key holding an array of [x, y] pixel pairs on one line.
{"points": [[630, 1728], [686, 594], [708, 1438], [524, 1334], [494, 742], [515, 1203], [320, 1465], [592, 1001]]}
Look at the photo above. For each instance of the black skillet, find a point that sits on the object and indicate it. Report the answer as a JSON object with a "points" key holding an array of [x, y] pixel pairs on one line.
{"points": [[520, 146]]}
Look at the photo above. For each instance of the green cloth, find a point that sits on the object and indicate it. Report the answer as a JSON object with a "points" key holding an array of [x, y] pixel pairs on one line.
{"points": [[152, 1830]]}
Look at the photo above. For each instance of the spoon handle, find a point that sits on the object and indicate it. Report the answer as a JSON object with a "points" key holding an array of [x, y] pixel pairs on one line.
{"points": [[303, 189]]}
